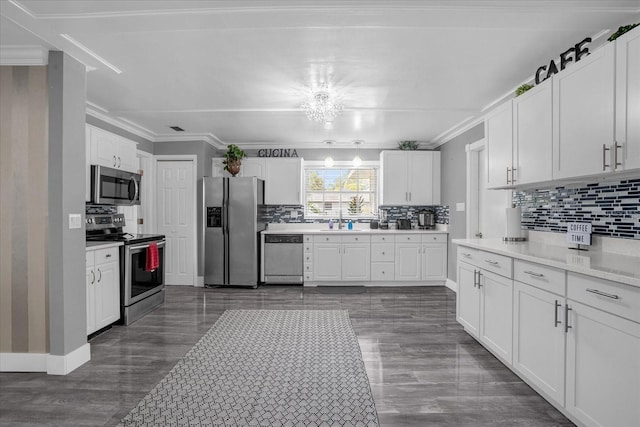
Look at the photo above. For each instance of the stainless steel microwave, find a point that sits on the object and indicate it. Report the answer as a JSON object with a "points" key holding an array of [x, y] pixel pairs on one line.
{"points": [[114, 187]]}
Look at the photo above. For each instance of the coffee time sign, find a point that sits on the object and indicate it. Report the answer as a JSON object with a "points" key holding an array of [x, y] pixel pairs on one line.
{"points": [[573, 54]]}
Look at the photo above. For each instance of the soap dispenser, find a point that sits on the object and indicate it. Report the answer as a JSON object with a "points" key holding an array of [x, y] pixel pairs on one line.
{"points": [[350, 225], [331, 224]]}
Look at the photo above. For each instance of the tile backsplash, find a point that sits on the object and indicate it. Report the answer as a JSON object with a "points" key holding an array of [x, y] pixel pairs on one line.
{"points": [[613, 208], [295, 214]]}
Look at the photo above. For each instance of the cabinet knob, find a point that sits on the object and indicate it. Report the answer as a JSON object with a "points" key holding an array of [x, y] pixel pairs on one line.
{"points": [[356, 239], [327, 238]]}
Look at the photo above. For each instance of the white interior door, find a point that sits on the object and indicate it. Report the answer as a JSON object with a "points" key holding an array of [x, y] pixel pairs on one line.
{"points": [[486, 214], [176, 219]]}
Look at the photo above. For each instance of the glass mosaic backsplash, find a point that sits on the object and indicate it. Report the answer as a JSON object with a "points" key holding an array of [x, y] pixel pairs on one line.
{"points": [[613, 208], [295, 214]]}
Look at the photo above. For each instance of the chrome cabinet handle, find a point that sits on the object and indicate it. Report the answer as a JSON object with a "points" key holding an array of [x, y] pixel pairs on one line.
{"points": [[93, 277], [114, 161], [479, 277], [513, 180], [534, 274], [603, 294], [556, 322], [491, 262], [566, 318], [108, 256], [100, 277], [119, 162], [475, 280], [615, 155], [604, 155], [466, 255], [382, 253], [409, 195], [508, 170]]}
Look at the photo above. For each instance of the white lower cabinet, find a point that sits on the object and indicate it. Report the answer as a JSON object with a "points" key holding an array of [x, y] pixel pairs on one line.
{"points": [[341, 258], [538, 339], [408, 258], [576, 338], [103, 288], [421, 257]]}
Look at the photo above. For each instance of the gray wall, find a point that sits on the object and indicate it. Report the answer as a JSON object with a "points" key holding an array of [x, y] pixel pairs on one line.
{"points": [[454, 186], [204, 153], [143, 144], [67, 288]]}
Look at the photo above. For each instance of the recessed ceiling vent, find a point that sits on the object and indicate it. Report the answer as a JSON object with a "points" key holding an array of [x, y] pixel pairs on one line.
{"points": [[177, 128]]}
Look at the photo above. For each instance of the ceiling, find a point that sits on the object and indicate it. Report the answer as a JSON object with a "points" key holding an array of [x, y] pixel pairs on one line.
{"points": [[237, 71]]}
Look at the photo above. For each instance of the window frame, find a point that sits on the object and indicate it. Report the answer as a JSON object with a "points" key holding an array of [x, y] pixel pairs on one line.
{"points": [[342, 164]]}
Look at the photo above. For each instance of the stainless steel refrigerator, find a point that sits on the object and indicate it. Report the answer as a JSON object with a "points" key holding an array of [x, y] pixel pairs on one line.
{"points": [[233, 219]]}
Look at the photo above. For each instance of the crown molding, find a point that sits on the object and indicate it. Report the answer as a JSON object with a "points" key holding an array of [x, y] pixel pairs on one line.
{"points": [[209, 138], [100, 113], [23, 55]]}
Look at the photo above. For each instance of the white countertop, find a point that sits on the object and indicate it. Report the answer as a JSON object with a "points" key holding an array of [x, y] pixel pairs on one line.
{"points": [[356, 230], [605, 265], [102, 245]]}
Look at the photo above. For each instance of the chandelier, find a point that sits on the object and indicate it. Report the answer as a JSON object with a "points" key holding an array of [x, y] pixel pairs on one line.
{"points": [[322, 106]]}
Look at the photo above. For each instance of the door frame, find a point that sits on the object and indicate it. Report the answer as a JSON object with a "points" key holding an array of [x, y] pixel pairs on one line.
{"points": [[193, 158], [148, 196], [473, 185]]}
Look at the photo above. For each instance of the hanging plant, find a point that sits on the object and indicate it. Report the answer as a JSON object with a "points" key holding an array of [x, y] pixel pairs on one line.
{"points": [[621, 31], [233, 159], [522, 89]]}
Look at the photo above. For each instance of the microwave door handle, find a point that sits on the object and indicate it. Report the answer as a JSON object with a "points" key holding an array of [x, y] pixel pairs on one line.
{"points": [[136, 190]]}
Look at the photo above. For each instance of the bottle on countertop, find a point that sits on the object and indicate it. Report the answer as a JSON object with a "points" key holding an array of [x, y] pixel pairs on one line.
{"points": [[330, 224], [350, 225]]}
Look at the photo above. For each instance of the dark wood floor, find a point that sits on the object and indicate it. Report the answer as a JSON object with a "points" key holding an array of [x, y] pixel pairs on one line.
{"points": [[423, 368]]}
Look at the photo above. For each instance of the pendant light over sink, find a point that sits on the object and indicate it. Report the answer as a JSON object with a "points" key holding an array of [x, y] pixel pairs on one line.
{"points": [[328, 161], [357, 161]]}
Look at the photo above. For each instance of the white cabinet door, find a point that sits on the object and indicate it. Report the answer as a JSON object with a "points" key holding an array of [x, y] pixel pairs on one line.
{"points": [[393, 168], [603, 368], [583, 115], [327, 262], [283, 182], [91, 292], [103, 148], [107, 294], [533, 134], [408, 262], [356, 262], [499, 133], [628, 101], [217, 168], [423, 178], [496, 308], [539, 339], [434, 261], [253, 166], [468, 299], [126, 153]]}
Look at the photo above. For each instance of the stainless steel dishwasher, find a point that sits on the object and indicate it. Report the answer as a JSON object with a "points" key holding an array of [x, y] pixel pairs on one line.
{"points": [[283, 259]]}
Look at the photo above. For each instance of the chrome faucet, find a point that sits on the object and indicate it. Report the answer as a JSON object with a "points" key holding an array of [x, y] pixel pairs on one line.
{"points": [[340, 219]]}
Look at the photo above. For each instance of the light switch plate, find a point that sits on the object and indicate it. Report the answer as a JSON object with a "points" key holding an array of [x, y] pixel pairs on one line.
{"points": [[460, 207], [75, 221]]}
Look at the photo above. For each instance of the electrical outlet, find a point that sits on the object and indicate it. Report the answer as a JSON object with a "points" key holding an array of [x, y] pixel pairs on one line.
{"points": [[460, 207], [294, 214], [75, 221]]}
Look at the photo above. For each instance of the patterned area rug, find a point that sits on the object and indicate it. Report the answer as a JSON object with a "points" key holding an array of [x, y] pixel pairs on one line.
{"points": [[266, 368]]}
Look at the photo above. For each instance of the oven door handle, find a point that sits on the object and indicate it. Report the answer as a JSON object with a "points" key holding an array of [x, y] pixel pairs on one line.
{"points": [[133, 248]]}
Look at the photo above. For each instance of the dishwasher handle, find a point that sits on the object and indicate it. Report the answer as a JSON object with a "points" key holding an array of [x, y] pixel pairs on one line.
{"points": [[283, 238]]}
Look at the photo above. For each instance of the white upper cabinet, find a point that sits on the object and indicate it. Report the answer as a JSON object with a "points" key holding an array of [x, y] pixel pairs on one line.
{"points": [[253, 166], [111, 150], [533, 135], [283, 181], [583, 115], [626, 152], [410, 178], [499, 151]]}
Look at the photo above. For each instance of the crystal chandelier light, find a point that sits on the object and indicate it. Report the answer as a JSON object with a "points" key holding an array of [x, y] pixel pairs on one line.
{"points": [[322, 106]]}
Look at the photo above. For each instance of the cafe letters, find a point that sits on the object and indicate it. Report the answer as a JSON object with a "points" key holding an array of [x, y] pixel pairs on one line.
{"points": [[574, 53]]}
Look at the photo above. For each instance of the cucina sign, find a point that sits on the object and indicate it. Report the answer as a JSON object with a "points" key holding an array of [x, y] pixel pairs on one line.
{"points": [[277, 152]]}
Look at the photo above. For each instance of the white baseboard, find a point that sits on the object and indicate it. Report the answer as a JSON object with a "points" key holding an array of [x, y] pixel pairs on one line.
{"points": [[23, 362], [44, 362], [62, 365], [199, 282], [451, 285]]}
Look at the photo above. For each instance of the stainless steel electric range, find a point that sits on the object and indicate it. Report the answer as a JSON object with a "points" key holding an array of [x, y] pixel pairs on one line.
{"points": [[141, 291]]}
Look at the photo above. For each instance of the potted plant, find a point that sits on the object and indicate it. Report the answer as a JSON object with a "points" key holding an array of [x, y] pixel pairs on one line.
{"points": [[522, 89], [233, 159]]}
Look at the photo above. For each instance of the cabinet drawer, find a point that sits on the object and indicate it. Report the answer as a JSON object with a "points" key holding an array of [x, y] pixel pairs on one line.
{"points": [[308, 248], [540, 276], [323, 238], [308, 267], [383, 271], [468, 255], [615, 298], [356, 239], [308, 277], [498, 264], [434, 238], [382, 252], [307, 238], [106, 255], [308, 256], [376, 238], [411, 238]]}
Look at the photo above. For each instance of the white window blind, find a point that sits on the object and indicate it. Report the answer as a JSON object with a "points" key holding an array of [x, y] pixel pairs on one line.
{"points": [[329, 191]]}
